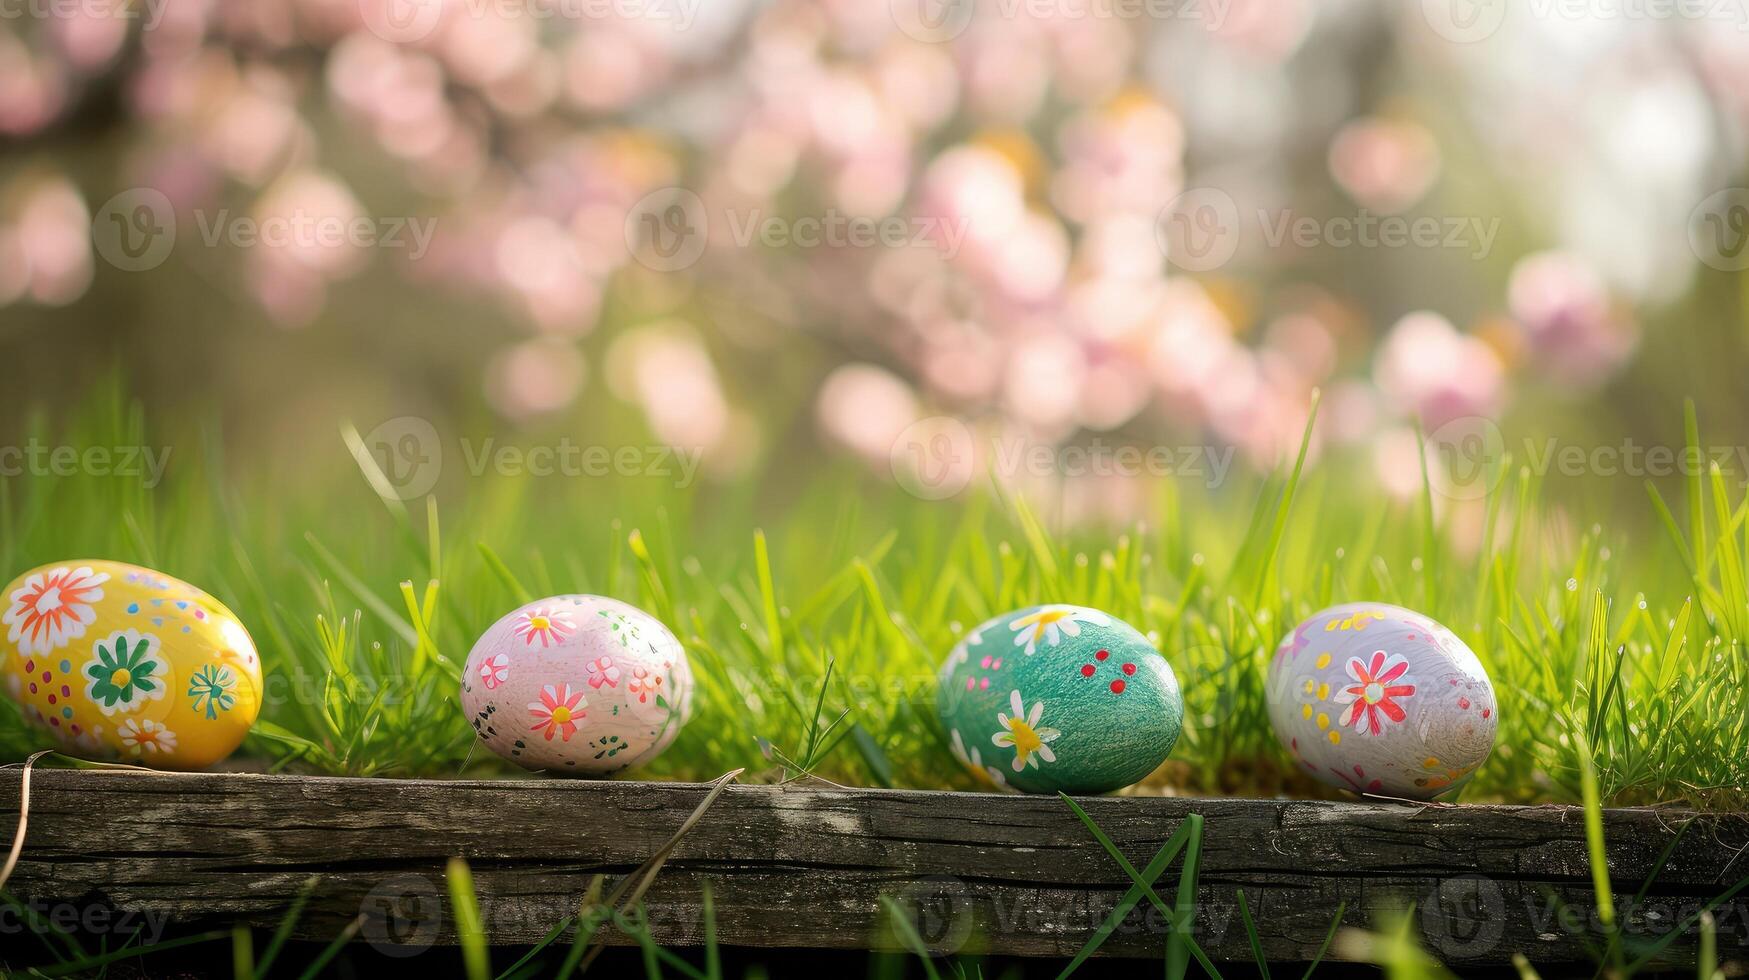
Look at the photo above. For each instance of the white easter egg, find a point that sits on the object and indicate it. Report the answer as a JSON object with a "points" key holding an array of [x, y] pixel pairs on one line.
{"points": [[577, 684], [1379, 699]]}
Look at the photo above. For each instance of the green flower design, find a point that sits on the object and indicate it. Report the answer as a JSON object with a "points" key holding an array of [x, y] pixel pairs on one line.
{"points": [[623, 628], [211, 690], [125, 672]]}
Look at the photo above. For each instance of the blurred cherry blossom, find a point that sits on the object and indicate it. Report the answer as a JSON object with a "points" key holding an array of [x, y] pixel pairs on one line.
{"points": [[1433, 373], [1029, 154], [1573, 325]]}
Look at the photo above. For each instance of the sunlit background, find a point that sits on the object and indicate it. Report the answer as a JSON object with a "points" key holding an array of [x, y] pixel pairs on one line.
{"points": [[780, 234]]}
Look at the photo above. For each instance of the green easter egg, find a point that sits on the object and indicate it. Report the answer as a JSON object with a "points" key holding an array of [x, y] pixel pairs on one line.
{"points": [[1059, 698]]}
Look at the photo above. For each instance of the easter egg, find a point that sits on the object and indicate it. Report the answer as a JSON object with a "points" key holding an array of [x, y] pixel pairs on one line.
{"points": [[117, 661], [1059, 698], [1379, 699], [577, 684]]}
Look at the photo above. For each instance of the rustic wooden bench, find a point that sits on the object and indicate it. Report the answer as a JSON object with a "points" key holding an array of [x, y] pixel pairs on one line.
{"points": [[807, 866]]}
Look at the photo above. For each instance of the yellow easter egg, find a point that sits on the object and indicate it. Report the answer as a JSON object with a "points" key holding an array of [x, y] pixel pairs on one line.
{"points": [[118, 661]]}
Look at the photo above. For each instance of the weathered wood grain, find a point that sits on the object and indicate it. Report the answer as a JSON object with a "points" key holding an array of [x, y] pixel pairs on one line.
{"points": [[796, 867]]}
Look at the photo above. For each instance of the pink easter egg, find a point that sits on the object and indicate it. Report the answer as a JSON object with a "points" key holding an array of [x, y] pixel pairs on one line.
{"points": [[1381, 700], [577, 684]]}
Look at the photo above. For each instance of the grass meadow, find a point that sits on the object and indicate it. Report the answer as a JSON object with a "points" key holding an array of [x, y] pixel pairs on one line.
{"points": [[815, 622]]}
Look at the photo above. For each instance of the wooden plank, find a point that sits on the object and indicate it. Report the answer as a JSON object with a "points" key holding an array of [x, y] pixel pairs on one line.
{"points": [[793, 867]]}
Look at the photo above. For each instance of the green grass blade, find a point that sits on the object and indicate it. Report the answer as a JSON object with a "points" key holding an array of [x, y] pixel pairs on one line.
{"points": [[907, 934], [286, 924], [1329, 937], [470, 931], [338, 943], [1251, 935]]}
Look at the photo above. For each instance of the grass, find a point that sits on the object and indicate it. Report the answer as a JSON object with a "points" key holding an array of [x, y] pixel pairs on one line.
{"points": [[816, 610]]}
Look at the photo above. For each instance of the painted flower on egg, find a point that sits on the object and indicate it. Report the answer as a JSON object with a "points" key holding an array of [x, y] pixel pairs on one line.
{"points": [[1023, 733], [494, 670], [211, 690], [52, 609], [577, 684], [125, 673], [1058, 697], [973, 760], [602, 671], [547, 625], [1373, 694], [1379, 699], [1051, 623], [143, 736], [558, 711]]}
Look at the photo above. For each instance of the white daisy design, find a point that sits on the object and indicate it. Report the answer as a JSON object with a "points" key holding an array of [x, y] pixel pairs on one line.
{"points": [[1022, 732], [1051, 624], [972, 759]]}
